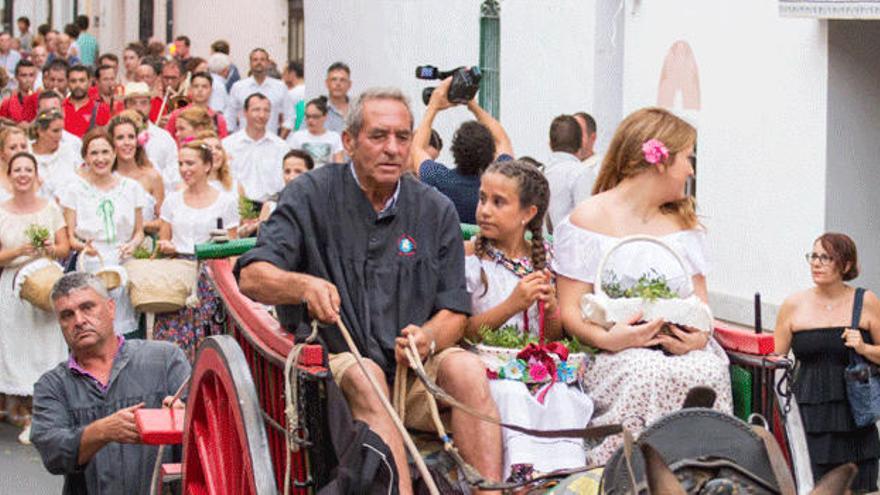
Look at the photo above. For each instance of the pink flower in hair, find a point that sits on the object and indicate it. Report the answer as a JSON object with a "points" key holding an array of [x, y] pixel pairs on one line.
{"points": [[655, 151], [143, 138]]}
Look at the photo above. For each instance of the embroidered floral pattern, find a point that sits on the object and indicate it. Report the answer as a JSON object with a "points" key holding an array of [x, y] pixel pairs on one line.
{"points": [[189, 326]]}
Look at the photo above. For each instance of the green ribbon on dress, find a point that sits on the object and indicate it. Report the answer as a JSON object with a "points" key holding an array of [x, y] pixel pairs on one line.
{"points": [[105, 211]]}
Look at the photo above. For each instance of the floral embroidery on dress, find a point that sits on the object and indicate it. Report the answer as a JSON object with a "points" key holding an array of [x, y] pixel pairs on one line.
{"points": [[189, 326]]}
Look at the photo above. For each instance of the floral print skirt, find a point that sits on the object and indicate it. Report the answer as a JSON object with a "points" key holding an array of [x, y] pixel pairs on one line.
{"points": [[189, 326], [636, 387]]}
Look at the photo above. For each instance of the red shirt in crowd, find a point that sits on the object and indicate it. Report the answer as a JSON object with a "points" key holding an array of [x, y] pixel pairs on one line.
{"points": [[76, 121], [18, 107], [155, 105], [217, 117]]}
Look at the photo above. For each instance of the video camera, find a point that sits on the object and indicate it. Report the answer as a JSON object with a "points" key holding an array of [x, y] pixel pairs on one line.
{"points": [[465, 82]]}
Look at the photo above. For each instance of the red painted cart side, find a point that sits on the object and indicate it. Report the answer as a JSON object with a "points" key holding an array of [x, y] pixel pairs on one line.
{"points": [[265, 345]]}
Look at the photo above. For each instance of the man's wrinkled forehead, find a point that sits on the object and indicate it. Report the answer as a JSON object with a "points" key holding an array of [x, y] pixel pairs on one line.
{"points": [[385, 114]]}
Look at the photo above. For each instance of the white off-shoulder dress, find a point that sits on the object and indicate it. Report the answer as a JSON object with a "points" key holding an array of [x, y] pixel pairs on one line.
{"points": [[638, 386], [564, 407]]}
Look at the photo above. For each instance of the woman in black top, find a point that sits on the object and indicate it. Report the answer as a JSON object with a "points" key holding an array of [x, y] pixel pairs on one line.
{"points": [[816, 324]]}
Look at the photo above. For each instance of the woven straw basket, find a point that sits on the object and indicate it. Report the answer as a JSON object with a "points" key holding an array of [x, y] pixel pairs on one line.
{"points": [[112, 276], [160, 286], [35, 280], [605, 311]]}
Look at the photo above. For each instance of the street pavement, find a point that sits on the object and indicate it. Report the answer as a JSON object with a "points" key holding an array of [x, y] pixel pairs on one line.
{"points": [[21, 470]]}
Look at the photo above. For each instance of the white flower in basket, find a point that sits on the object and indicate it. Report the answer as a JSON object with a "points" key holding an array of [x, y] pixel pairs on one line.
{"points": [[604, 310]]}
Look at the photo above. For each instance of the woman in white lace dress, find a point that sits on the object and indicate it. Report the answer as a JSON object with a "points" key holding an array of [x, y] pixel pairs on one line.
{"points": [[30, 340], [507, 278], [645, 369], [104, 214]]}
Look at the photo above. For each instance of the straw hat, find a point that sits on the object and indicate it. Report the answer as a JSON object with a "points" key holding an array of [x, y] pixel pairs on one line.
{"points": [[135, 89]]}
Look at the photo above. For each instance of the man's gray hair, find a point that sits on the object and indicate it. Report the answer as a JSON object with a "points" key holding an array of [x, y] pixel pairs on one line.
{"points": [[218, 62], [355, 119], [75, 281]]}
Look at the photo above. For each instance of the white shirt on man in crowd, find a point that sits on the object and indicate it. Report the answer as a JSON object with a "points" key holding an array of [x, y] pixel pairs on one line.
{"points": [[570, 183], [256, 164], [273, 89], [219, 96]]}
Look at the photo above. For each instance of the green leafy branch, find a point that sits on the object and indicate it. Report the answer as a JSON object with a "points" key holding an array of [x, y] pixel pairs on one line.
{"points": [[37, 235], [650, 286]]}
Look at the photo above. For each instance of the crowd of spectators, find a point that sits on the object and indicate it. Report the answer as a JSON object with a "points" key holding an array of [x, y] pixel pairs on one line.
{"points": [[157, 149]]}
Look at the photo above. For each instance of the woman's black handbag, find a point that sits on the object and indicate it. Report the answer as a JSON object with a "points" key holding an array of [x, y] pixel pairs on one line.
{"points": [[862, 380]]}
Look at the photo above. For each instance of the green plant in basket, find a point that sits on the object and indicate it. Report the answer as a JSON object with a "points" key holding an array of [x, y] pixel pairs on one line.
{"points": [[508, 337], [650, 286], [511, 337], [141, 253], [246, 209], [37, 235]]}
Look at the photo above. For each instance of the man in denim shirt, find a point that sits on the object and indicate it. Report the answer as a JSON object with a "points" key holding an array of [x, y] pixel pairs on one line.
{"points": [[83, 423]]}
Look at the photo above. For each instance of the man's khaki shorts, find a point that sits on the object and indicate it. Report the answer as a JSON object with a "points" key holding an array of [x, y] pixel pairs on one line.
{"points": [[418, 413]]}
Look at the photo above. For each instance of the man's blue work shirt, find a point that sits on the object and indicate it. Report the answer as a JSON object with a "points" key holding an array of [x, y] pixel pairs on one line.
{"points": [[66, 401], [392, 269]]}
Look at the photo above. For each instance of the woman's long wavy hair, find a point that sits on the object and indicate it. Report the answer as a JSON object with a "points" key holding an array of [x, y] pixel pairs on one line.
{"points": [[625, 157], [135, 120], [224, 172]]}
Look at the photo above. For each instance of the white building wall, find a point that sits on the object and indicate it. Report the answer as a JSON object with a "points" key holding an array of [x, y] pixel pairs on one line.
{"points": [[547, 68], [762, 135], [546, 56], [384, 40], [851, 196], [244, 24]]}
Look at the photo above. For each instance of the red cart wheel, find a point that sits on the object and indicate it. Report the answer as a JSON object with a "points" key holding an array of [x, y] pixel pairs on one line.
{"points": [[225, 451]]}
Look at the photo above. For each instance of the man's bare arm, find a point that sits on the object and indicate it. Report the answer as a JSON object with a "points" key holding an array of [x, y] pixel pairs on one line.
{"points": [[266, 283]]}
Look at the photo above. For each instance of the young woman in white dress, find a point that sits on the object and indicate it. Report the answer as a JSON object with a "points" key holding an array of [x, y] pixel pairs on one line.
{"points": [[126, 129], [12, 140], [188, 217], [507, 277], [58, 165], [641, 372], [104, 214], [30, 341]]}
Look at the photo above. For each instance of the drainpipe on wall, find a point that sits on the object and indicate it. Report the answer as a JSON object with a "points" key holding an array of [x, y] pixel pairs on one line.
{"points": [[169, 22], [490, 49]]}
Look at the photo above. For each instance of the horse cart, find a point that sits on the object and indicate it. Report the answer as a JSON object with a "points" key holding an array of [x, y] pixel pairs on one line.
{"points": [[255, 421]]}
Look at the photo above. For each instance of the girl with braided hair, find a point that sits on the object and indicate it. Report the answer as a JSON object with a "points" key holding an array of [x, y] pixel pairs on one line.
{"points": [[507, 276]]}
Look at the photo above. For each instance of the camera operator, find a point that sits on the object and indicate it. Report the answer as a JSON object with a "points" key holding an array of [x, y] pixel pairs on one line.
{"points": [[475, 145]]}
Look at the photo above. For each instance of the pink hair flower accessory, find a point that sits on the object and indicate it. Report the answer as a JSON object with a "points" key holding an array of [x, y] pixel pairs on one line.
{"points": [[655, 151], [143, 138]]}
